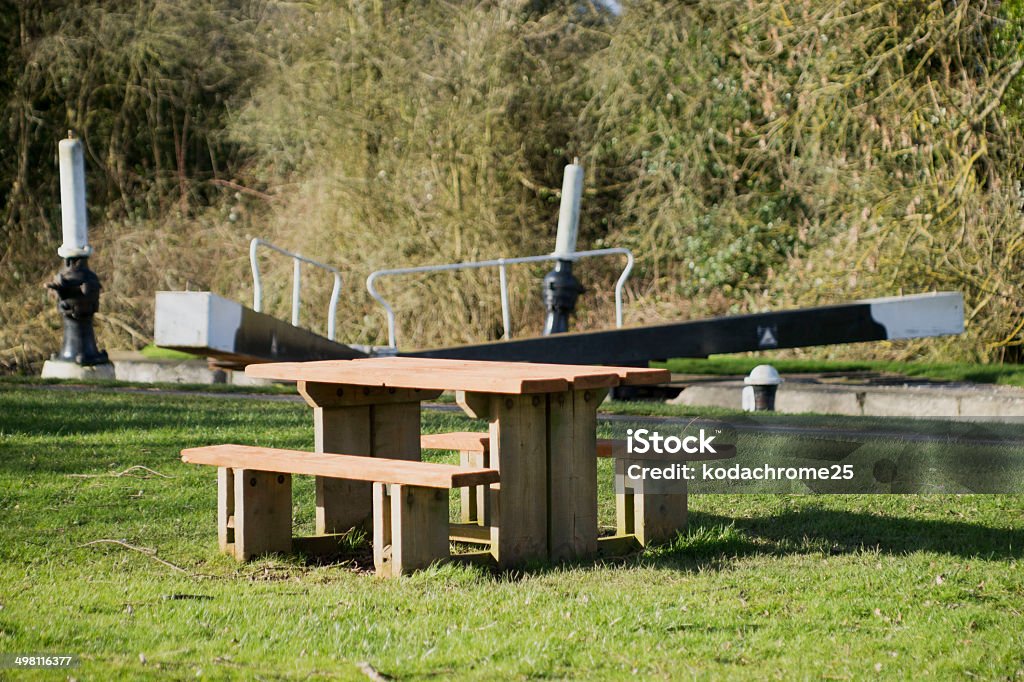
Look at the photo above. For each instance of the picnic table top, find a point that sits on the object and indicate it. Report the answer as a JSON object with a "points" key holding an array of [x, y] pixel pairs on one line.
{"points": [[479, 376]]}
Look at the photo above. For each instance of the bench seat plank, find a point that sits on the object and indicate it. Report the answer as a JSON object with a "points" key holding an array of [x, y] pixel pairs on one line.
{"points": [[463, 441], [349, 467]]}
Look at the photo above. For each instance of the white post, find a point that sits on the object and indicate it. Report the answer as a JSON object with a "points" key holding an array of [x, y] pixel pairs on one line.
{"points": [[569, 211], [296, 291], [74, 219]]}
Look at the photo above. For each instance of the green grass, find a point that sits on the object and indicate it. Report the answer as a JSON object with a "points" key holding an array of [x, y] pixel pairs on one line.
{"points": [[783, 587], [155, 352], [1011, 375], [15, 380]]}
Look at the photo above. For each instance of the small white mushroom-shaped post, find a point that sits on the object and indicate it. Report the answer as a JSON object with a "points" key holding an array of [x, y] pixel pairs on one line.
{"points": [[761, 386]]}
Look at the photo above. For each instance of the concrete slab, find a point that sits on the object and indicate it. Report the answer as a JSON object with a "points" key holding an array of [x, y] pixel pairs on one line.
{"points": [[875, 396], [62, 369], [137, 368]]}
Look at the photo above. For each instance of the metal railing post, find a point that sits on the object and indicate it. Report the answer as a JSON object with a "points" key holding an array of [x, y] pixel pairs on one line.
{"points": [[332, 314], [506, 315], [296, 291], [298, 260], [618, 288], [501, 264], [257, 283]]}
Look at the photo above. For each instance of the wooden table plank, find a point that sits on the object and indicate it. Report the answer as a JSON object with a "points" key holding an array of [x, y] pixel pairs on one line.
{"points": [[590, 376], [501, 379], [467, 375], [581, 376]]}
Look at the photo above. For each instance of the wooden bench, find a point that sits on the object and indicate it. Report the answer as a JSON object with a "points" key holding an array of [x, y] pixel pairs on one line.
{"points": [[410, 500]]}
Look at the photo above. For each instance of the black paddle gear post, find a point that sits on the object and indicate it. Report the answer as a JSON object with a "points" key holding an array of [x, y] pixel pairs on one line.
{"points": [[78, 293], [561, 289]]}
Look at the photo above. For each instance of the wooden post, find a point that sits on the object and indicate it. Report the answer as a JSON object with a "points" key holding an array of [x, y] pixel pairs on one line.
{"points": [[652, 518], [572, 473], [263, 513], [396, 430], [382, 543], [419, 527], [518, 450], [473, 499], [340, 504], [625, 517], [226, 509]]}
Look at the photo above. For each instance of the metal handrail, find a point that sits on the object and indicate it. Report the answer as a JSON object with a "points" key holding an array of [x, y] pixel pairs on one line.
{"points": [[257, 283], [501, 264]]}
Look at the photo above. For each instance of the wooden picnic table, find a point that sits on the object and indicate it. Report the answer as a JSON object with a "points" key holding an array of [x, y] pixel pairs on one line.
{"points": [[543, 438]]}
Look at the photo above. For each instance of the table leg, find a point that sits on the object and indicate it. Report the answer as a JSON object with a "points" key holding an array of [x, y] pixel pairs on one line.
{"points": [[354, 420], [572, 473], [518, 450], [396, 430], [226, 509], [340, 504]]}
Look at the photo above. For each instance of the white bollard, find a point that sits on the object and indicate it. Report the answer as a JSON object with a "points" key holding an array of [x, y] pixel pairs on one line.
{"points": [[73, 215], [759, 392], [569, 210]]}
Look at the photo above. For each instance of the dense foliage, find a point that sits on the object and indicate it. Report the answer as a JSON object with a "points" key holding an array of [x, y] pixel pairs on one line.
{"points": [[753, 154]]}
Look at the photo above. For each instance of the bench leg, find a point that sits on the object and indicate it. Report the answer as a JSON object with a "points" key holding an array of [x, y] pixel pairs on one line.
{"points": [[474, 503], [226, 510], [651, 518], [263, 513], [418, 528], [382, 530]]}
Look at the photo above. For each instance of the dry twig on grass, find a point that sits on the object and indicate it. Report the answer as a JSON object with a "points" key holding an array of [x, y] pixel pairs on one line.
{"points": [[371, 672], [127, 471], [151, 553]]}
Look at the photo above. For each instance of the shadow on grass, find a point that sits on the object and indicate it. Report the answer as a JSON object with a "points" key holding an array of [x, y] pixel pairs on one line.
{"points": [[69, 414], [712, 538], [713, 541]]}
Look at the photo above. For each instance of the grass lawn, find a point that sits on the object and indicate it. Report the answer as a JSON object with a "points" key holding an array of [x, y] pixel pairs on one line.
{"points": [[778, 587], [1010, 375]]}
